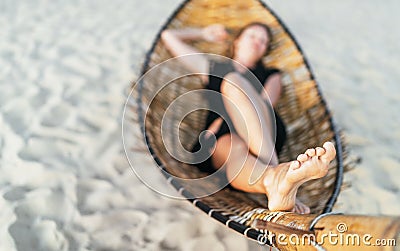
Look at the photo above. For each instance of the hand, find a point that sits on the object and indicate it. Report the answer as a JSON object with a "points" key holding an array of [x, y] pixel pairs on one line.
{"points": [[214, 33]]}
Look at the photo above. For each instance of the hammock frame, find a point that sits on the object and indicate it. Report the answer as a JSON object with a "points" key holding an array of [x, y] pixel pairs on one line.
{"points": [[244, 212]]}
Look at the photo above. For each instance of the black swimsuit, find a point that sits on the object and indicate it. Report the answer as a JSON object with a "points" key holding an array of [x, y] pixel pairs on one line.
{"points": [[217, 71]]}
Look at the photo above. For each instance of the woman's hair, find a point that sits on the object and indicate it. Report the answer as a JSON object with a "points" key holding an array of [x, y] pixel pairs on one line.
{"points": [[266, 28]]}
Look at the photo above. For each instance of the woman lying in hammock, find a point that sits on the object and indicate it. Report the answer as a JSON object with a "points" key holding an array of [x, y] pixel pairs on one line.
{"points": [[246, 142]]}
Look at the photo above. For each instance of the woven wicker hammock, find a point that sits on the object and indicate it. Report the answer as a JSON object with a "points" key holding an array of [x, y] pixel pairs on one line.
{"points": [[308, 120]]}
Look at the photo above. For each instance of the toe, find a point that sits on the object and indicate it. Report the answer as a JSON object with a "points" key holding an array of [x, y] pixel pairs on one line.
{"points": [[295, 164], [310, 152], [301, 208], [306, 209], [330, 151], [319, 151], [297, 209], [302, 157]]}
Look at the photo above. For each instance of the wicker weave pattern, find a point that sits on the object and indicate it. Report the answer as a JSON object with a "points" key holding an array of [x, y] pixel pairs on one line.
{"points": [[301, 107]]}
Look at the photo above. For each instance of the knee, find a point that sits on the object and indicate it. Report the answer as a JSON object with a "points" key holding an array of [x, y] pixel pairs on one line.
{"points": [[233, 77]]}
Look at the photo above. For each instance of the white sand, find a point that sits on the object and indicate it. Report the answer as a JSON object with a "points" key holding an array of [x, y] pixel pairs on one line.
{"points": [[64, 68]]}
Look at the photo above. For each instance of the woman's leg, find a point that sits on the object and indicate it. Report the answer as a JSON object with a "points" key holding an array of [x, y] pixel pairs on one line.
{"points": [[232, 152], [251, 117], [279, 182], [251, 150]]}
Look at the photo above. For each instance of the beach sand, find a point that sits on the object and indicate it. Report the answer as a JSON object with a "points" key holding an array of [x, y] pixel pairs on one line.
{"points": [[65, 68]]}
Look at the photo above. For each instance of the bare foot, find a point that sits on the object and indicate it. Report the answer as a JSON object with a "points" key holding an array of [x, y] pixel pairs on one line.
{"points": [[282, 182]]}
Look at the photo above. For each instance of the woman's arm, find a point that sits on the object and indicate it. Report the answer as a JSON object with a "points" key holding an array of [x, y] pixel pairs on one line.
{"points": [[174, 40], [273, 88]]}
